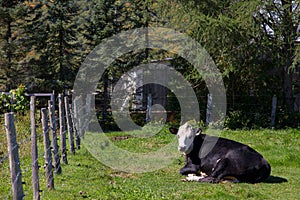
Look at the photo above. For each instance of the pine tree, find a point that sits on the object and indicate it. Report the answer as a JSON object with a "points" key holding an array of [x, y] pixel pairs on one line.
{"points": [[36, 44], [11, 49], [53, 42], [62, 39], [109, 17], [100, 22]]}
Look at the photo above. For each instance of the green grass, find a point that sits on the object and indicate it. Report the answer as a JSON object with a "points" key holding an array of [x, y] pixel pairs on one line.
{"points": [[86, 178]]}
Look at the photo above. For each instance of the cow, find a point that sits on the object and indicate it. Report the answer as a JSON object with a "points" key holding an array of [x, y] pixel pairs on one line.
{"points": [[227, 159]]}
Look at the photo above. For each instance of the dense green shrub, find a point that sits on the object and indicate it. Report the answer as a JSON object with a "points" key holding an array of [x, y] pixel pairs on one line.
{"points": [[14, 101]]}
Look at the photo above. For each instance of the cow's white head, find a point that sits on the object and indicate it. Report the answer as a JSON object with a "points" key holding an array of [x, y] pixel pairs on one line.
{"points": [[186, 135]]}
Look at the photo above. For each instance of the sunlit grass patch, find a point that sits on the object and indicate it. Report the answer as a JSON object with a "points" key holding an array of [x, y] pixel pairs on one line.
{"points": [[86, 177]]}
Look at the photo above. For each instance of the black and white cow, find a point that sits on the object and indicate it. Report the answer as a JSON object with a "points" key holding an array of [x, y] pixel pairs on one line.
{"points": [[227, 158]]}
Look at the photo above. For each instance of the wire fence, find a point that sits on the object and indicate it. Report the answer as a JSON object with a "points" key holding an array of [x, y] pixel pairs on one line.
{"points": [[241, 111], [29, 149], [29, 152]]}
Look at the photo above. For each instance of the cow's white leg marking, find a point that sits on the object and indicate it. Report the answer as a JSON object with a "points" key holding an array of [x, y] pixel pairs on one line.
{"points": [[193, 177], [216, 163]]}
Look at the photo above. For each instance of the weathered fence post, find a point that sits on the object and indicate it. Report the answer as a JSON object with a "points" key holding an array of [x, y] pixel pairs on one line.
{"points": [[88, 105], [14, 162], [78, 104], [57, 167], [273, 113], [77, 137], [34, 151], [76, 121], [47, 149], [208, 109], [62, 129], [149, 104], [87, 111], [82, 109], [69, 125]]}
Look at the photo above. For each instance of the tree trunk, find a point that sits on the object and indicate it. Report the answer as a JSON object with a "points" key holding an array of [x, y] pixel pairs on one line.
{"points": [[61, 54], [288, 53], [288, 88], [8, 56], [105, 97]]}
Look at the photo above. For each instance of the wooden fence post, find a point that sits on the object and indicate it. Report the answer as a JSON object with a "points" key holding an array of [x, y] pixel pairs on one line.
{"points": [[82, 109], [149, 104], [34, 151], [273, 113], [77, 136], [87, 111], [208, 109], [62, 129], [57, 167], [47, 149], [78, 104], [69, 125], [14, 162]]}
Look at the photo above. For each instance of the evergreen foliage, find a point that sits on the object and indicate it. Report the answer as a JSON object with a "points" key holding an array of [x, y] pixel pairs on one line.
{"points": [[255, 45], [11, 49], [53, 49]]}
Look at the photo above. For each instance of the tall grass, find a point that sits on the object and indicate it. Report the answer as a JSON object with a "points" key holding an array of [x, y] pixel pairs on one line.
{"points": [[86, 177]]}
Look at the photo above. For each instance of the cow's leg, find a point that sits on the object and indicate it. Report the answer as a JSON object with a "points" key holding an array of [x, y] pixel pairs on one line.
{"points": [[189, 167], [263, 173], [220, 171], [208, 179], [257, 174], [192, 177]]}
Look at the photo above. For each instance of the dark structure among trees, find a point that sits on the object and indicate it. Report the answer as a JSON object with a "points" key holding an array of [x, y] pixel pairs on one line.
{"points": [[255, 45]]}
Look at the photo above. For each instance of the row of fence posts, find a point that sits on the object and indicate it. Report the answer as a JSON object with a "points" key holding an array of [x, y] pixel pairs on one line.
{"points": [[66, 117], [49, 125]]}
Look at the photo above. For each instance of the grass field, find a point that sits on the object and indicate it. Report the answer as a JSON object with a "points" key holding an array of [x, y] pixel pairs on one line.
{"points": [[86, 178]]}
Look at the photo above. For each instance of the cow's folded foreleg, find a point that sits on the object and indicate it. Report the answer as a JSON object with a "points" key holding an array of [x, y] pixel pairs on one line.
{"points": [[222, 170], [189, 167], [193, 177], [208, 179]]}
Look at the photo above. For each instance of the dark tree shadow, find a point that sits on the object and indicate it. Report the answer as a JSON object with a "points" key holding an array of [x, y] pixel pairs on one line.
{"points": [[275, 179]]}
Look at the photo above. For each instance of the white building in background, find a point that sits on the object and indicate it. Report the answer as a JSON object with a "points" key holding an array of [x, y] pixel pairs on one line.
{"points": [[133, 84], [137, 93]]}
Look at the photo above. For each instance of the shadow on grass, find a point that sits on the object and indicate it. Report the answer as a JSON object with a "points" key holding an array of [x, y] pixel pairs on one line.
{"points": [[275, 179]]}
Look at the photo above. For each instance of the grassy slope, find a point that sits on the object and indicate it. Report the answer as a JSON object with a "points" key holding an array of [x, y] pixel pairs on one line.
{"points": [[86, 177]]}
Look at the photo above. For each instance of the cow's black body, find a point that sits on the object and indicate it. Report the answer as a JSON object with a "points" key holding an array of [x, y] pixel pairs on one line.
{"points": [[227, 158]]}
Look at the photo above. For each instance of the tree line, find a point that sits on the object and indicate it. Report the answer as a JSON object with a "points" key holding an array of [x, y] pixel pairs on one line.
{"points": [[255, 44]]}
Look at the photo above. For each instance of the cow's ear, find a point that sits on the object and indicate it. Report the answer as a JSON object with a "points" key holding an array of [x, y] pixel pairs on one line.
{"points": [[198, 131], [173, 130]]}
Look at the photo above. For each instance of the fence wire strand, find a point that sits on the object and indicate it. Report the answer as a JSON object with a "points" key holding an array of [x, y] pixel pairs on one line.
{"points": [[23, 144]]}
